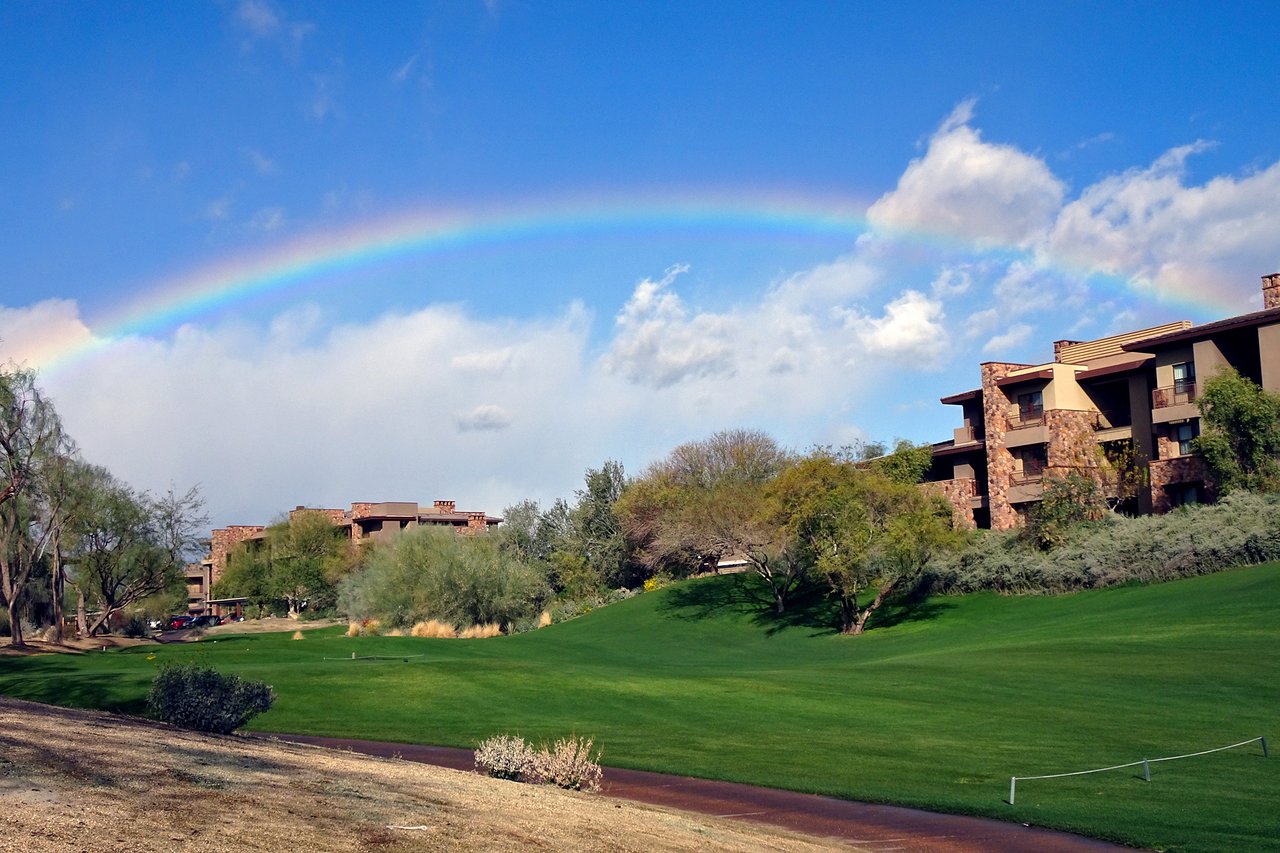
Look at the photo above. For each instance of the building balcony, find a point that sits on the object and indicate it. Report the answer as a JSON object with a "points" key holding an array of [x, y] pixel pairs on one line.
{"points": [[965, 435], [1177, 394]]}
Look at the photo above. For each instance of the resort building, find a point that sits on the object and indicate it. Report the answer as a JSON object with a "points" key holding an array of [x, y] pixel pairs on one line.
{"points": [[364, 522], [1121, 409]]}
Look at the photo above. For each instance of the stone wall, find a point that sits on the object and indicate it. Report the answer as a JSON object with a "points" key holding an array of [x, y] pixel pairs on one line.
{"points": [[222, 540], [958, 493], [1072, 446], [1271, 290], [1172, 472], [995, 410]]}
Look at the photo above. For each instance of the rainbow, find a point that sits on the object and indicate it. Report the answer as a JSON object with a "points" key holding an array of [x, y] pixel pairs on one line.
{"points": [[310, 260]]}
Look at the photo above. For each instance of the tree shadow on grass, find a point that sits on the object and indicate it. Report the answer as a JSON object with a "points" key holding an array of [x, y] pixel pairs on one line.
{"points": [[810, 607], [746, 595]]}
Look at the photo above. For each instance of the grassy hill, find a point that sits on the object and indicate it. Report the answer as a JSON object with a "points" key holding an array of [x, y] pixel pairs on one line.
{"points": [[937, 709]]}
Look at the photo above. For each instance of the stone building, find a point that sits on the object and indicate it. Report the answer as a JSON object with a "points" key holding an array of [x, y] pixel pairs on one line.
{"points": [[364, 522], [1128, 397]]}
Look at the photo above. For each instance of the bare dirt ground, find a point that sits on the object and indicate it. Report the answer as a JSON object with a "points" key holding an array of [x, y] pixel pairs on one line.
{"points": [[77, 645], [90, 781]]}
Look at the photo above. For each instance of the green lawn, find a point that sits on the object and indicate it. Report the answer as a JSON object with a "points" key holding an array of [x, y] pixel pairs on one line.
{"points": [[937, 709]]}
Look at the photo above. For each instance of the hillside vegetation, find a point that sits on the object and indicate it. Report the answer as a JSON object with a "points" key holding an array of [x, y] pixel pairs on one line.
{"points": [[937, 708]]}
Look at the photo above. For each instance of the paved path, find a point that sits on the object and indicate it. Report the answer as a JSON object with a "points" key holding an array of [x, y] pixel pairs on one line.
{"points": [[877, 828]]}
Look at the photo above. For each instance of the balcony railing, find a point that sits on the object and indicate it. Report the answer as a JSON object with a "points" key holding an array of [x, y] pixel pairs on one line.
{"points": [[1021, 478], [1182, 391], [1026, 418]]}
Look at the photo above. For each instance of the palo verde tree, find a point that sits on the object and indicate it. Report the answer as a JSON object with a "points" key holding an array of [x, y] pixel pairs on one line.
{"points": [[860, 528], [1240, 433]]}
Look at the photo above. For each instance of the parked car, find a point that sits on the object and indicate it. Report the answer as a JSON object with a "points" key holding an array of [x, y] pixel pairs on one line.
{"points": [[208, 620], [178, 623]]}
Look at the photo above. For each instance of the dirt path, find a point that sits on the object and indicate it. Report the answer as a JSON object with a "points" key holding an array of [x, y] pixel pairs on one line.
{"points": [[868, 826]]}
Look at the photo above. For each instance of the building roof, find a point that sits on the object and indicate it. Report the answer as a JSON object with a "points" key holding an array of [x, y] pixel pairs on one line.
{"points": [[1195, 333], [1118, 367], [962, 397], [1043, 373]]}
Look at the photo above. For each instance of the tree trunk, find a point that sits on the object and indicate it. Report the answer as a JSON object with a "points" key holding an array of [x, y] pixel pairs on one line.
{"points": [[100, 621], [780, 602], [57, 588], [15, 625], [82, 618], [848, 613], [873, 606]]}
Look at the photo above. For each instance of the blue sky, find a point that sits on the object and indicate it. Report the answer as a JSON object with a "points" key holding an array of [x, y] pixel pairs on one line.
{"points": [[882, 196]]}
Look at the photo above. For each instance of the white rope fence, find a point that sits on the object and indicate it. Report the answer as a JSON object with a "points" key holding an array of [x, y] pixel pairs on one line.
{"points": [[1146, 765], [404, 658]]}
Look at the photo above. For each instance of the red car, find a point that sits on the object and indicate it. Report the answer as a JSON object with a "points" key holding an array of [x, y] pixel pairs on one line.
{"points": [[178, 623]]}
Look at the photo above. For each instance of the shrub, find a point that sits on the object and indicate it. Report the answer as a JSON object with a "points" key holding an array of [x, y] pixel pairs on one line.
{"points": [[136, 627], [1239, 530], [568, 764], [201, 698], [353, 630], [434, 628], [480, 632], [505, 757]]}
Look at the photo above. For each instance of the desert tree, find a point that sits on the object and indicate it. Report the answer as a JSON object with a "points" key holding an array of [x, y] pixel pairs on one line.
{"points": [[32, 447], [706, 501], [1240, 433], [860, 529]]}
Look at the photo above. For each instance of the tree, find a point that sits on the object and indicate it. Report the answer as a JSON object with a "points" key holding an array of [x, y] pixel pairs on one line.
{"points": [[859, 528], [704, 502], [427, 573], [1065, 503], [298, 561], [125, 548], [31, 443], [1240, 433], [597, 531]]}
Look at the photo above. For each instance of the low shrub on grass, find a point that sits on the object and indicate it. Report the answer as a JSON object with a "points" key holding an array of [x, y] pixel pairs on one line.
{"points": [[569, 764], [136, 627], [480, 632], [1194, 540], [505, 757], [201, 698], [434, 628]]}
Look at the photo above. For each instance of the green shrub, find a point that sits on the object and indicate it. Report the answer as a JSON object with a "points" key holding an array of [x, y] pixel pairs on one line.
{"points": [[428, 574], [136, 626], [1242, 529], [201, 698]]}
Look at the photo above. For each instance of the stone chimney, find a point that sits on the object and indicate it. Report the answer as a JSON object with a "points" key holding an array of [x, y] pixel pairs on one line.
{"points": [[446, 506], [1271, 290]]}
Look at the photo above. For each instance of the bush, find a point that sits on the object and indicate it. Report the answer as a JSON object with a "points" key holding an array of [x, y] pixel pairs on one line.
{"points": [[568, 764], [436, 574], [136, 627], [1240, 530], [201, 698], [505, 757]]}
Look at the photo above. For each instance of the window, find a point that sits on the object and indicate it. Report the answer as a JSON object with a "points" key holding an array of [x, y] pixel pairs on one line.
{"points": [[1184, 378], [1183, 494], [1183, 433], [1031, 460], [1030, 406]]}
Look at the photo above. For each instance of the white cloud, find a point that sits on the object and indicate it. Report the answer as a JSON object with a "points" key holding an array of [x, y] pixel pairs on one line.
{"points": [[970, 189], [36, 334], [219, 209], [402, 73], [659, 344], [910, 330], [486, 417], [267, 219], [257, 17], [1148, 226], [1011, 339], [262, 164]]}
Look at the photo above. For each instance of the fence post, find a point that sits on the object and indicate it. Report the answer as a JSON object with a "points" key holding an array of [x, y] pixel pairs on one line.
{"points": [[1264, 747], [1146, 770], [1013, 784]]}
